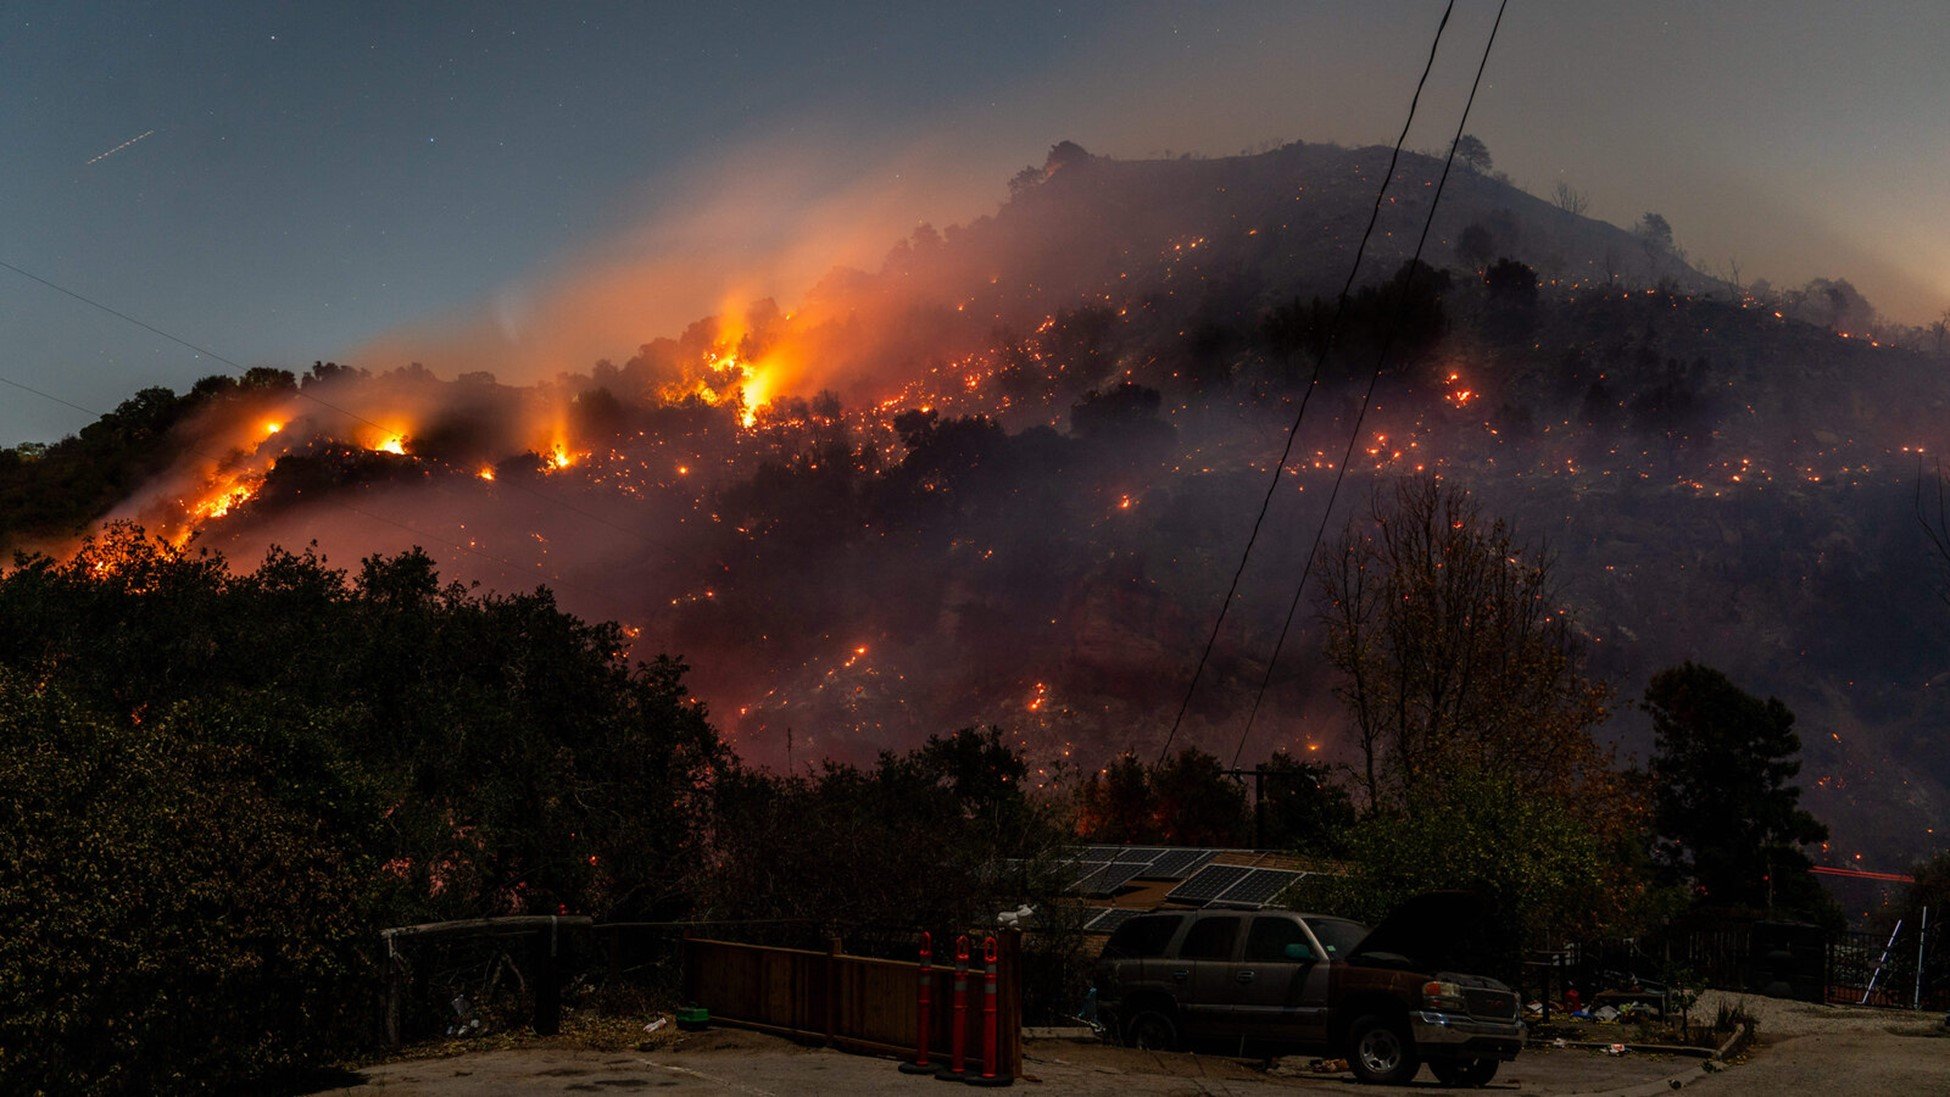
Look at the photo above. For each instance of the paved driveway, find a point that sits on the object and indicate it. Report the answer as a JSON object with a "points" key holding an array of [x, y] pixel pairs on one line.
{"points": [[1804, 1049], [757, 1066]]}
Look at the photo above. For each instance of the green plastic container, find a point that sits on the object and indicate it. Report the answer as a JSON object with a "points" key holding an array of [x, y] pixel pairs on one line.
{"points": [[693, 1018]]}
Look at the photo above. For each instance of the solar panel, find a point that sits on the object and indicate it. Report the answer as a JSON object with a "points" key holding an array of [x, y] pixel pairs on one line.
{"points": [[1138, 855], [1092, 854], [1105, 880], [1259, 887], [1209, 883], [1108, 921], [1176, 864]]}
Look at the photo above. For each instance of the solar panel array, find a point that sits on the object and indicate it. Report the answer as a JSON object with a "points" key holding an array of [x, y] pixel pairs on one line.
{"points": [[1177, 864], [1259, 889], [1107, 921], [1235, 885], [1149, 862], [1101, 871], [1209, 883], [1103, 880]]}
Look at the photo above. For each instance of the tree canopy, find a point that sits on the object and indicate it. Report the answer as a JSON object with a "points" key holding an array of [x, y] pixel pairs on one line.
{"points": [[216, 786], [1726, 811]]}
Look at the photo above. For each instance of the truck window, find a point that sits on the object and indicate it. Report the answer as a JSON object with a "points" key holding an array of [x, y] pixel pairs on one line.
{"points": [[1267, 941], [1338, 935], [1144, 937], [1210, 939]]}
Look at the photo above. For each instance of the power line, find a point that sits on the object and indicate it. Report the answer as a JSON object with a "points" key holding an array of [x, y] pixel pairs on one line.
{"points": [[1293, 432], [49, 396], [1381, 358]]}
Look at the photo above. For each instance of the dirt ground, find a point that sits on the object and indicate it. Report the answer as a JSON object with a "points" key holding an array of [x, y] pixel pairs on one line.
{"points": [[1803, 1049], [1834, 1050]]}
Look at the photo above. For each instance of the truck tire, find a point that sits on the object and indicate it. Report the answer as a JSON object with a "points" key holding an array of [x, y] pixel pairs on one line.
{"points": [[1152, 1029], [1380, 1051], [1464, 1073]]}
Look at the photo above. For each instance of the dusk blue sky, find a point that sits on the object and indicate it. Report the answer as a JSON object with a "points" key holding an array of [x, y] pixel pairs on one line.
{"points": [[319, 175]]}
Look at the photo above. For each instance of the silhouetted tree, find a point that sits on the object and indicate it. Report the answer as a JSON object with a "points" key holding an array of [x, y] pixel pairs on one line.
{"points": [[1306, 810], [1475, 247], [1569, 199], [222, 784], [1655, 237], [943, 835], [1125, 413], [1186, 799], [1474, 154], [1209, 350], [1726, 812]]}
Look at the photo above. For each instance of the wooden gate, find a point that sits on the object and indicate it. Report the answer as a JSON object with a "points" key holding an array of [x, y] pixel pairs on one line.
{"points": [[857, 1003]]}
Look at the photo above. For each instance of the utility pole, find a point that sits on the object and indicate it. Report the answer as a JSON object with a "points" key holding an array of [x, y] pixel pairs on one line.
{"points": [[1258, 774], [1922, 938], [1259, 810]]}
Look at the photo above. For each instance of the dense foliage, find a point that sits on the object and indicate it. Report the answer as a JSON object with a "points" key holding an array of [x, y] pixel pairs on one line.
{"points": [[220, 785], [1547, 874], [174, 909], [944, 835], [1727, 812], [1192, 799], [1475, 718]]}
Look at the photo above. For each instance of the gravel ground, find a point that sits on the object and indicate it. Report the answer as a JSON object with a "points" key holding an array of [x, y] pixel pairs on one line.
{"points": [[1834, 1050], [1802, 1049], [759, 1066]]}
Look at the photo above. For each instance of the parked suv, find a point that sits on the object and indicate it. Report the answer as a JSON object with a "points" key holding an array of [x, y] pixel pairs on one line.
{"points": [[1387, 999]]}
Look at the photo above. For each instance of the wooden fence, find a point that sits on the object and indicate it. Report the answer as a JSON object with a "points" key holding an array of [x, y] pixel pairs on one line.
{"points": [[858, 1003]]}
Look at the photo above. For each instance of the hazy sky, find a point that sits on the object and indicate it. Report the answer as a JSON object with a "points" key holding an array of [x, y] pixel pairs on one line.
{"points": [[314, 175]]}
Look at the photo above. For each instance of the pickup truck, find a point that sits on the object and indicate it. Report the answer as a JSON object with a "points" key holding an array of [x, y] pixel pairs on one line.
{"points": [[1387, 999]]}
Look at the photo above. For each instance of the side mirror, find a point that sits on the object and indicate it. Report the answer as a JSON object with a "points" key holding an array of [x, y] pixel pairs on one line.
{"points": [[1299, 952]]}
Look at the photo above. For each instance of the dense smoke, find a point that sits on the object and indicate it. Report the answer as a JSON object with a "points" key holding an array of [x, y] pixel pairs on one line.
{"points": [[1002, 473]]}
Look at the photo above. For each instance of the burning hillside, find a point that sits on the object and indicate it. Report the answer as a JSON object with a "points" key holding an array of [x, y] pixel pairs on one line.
{"points": [[1004, 477]]}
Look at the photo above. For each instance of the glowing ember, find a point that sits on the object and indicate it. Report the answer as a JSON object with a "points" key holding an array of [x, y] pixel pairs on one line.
{"points": [[1039, 698], [486, 473]]}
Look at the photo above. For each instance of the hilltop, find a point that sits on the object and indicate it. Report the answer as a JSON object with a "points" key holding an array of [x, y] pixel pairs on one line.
{"points": [[1004, 476]]}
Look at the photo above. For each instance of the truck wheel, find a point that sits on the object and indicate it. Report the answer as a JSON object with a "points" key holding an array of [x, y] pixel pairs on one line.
{"points": [[1151, 1029], [1382, 1052], [1464, 1073]]}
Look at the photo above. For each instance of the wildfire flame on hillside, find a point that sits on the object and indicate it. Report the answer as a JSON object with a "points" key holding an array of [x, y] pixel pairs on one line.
{"points": [[797, 502]]}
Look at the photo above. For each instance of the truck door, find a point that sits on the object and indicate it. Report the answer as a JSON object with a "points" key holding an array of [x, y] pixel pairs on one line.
{"points": [[1282, 982], [1205, 966]]}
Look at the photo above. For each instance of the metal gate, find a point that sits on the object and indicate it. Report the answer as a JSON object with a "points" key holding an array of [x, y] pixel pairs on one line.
{"points": [[1905, 968]]}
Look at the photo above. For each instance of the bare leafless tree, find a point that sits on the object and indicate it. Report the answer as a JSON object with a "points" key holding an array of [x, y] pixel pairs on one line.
{"points": [[1933, 514], [1570, 199], [1736, 289], [1454, 649]]}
